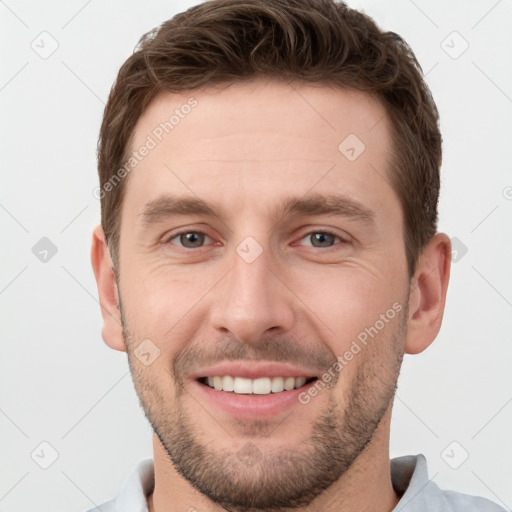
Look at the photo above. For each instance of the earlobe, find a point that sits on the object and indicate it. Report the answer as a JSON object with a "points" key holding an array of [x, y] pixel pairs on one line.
{"points": [[428, 294], [112, 331]]}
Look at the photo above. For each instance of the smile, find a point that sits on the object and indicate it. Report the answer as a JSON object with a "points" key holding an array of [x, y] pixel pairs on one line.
{"points": [[259, 386]]}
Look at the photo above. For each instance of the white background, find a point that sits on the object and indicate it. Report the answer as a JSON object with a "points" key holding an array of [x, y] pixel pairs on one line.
{"points": [[60, 384]]}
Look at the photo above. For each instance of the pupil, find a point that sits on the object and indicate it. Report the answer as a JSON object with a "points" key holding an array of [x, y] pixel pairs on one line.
{"points": [[323, 239], [192, 239]]}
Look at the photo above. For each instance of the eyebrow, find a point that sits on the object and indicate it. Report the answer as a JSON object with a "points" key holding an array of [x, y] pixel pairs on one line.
{"points": [[331, 204], [166, 206]]}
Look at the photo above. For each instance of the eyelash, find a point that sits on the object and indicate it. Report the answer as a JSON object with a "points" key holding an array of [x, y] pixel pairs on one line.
{"points": [[323, 231]]}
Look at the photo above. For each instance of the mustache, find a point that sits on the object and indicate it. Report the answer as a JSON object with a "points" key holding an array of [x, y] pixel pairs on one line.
{"points": [[282, 349]]}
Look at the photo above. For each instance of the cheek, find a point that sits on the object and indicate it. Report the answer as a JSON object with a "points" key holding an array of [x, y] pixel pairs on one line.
{"points": [[165, 306], [344, 301], [156, 298]]}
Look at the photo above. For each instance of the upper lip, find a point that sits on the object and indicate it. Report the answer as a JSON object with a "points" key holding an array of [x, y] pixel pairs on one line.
{"points": [[252, 370]]}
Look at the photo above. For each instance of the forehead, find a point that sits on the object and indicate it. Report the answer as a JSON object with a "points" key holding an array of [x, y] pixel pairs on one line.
{"points": [[261, 136], [295, 109]]}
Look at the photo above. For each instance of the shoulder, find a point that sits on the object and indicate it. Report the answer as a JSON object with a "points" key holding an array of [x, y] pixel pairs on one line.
{"points": [[109, 506], [465, 503], [132, 494], [420, 493]]}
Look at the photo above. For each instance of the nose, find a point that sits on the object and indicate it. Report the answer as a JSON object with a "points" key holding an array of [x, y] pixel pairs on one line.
{"points": [[252, 300]]}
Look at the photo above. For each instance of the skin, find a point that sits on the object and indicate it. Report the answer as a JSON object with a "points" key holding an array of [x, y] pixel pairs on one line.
{"points": [[245, 148]]}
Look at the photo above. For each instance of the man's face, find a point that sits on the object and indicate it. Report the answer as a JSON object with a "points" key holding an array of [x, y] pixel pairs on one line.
{"points": [[300, 257]]}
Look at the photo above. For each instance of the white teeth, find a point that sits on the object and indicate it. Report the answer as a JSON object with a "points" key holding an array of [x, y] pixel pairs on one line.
{"points": [[217, 383], [300, 382], [289, 383], [242, 385], [261, 386], [228, 383], [277, 384]]}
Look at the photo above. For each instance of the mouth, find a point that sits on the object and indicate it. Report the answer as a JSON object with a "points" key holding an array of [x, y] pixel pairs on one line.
{"points": [[260, 386], [248, 390]]}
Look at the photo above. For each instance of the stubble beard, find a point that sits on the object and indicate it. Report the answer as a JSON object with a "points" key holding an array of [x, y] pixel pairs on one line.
{"points": [[251, 479]]}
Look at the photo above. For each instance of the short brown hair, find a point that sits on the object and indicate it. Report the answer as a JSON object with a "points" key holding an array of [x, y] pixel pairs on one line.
{"points": [[226, 41]]}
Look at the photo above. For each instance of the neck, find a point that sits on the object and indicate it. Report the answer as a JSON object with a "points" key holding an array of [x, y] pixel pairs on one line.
{"points": [[365, 487]]}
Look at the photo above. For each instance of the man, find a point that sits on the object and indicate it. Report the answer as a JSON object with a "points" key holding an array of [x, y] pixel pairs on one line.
{"points": [[269, 178]]}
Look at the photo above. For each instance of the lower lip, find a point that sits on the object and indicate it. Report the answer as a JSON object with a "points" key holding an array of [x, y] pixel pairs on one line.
{"points": [[251, 406]]}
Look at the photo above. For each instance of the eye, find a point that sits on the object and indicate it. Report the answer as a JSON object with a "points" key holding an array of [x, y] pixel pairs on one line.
{"points": [[321, 239], [189, 239]]}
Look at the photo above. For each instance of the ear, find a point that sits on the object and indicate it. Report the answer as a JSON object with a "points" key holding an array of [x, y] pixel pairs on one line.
{"points": [[428, 294], [108, 293]]}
